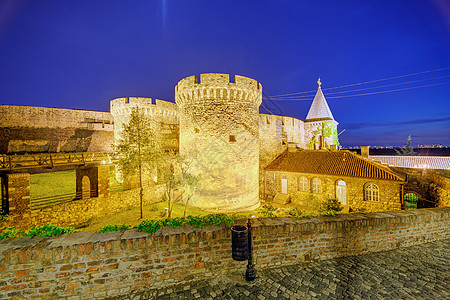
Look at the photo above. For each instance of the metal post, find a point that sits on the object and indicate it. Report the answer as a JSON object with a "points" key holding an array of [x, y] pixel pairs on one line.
{"points": [[250, 274]]}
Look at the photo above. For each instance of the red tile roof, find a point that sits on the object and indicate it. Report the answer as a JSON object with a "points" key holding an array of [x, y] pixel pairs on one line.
{"points": [[339, 163]]}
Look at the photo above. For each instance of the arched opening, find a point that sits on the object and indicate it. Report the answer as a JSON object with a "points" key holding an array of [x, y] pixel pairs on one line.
{"points": [[283, 184], [85, 187], [411, 197], [341, 192]]}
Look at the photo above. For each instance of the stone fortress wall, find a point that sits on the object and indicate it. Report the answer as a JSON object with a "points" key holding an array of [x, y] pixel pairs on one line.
{"points": [[219, 134], [45, 129], [163, 114], [275, 134]]}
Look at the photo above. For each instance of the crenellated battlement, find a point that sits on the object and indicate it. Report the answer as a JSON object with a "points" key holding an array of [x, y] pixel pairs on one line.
{"points": [[218, 86], [154, 108]]}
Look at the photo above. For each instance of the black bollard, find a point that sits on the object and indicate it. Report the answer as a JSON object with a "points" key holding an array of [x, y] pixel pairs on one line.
{"points": [[250, 274]]}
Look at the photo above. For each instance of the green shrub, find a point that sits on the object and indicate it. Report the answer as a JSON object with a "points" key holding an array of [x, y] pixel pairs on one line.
{"points": [[110, 228], [10, 233], [151, 226], [330, 206], [48, 230], [268, 210]]}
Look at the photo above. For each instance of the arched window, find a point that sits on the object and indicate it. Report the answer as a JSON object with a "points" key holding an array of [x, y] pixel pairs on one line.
{"points": [[341, 191], [411, 197], [371, 192], [303, 184], [283, 184], [316, 185]]}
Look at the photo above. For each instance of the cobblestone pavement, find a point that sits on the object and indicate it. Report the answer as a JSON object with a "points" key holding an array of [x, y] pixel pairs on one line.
{"points": [[417, 272]]}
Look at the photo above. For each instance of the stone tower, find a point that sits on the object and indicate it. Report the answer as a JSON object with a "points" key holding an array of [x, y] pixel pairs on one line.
{"points": [[219, 135], [320, 126]]}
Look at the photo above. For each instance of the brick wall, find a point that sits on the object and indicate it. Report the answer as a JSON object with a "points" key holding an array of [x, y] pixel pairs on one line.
{"points": [[89, 265]]}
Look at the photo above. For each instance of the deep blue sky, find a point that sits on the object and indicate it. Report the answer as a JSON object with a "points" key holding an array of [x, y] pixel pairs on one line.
{"points": [[82, 54]]}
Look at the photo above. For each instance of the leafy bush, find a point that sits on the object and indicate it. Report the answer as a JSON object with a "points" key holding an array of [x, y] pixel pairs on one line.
{"points": [[331, 206], [48, 230], [151, 226], [269, 211], [10, 233], [110, 228]]}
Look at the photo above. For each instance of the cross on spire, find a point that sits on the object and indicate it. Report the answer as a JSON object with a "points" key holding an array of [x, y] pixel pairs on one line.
{"points": [[319, 82]]}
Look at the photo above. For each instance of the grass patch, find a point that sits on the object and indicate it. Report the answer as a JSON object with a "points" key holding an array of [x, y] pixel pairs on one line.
{"points": [[131, 217], [52, 184]]}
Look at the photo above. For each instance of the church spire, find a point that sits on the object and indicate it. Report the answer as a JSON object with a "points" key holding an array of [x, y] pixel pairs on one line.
{"points": [[319, 110]]}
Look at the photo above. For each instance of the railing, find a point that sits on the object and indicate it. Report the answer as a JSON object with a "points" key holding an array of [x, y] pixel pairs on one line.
{"points": [[52, 160], [41, 202]]}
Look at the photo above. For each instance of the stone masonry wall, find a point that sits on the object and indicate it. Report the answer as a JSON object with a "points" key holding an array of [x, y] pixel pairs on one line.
{"points": [[390, 192], [431, 186], [44, 129], [82, 210], [93, 265]]}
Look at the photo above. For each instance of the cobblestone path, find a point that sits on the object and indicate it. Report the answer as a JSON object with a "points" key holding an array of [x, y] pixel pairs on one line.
{"points": [[417, 272]]}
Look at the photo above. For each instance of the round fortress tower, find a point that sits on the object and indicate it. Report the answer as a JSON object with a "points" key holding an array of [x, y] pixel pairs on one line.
{"points": [[219, 136]]}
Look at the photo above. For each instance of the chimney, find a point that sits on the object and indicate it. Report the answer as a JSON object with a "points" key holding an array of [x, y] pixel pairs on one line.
{"points": [[365, 151], [333, 147]]}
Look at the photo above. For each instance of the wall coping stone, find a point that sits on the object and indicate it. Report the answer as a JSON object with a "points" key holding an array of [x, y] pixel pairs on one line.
{"points": [[291, 224], [70, 239]]}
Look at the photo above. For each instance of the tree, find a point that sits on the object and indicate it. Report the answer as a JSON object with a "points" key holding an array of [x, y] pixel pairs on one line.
{"points": [[137, 149], [406, 149], [174, 173], [190, 183]]}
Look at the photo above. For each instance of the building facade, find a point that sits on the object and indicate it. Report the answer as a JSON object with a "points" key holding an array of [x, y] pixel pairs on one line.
{"points": [[354, 181]]}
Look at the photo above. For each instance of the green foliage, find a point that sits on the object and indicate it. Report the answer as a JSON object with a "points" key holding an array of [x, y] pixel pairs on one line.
{"points": [[151, 226], [10, 233], [411, 197], [48, 230], [268, 211], [294, 212], [109, 228], [406, 149], [331, 206], [336, 138]]}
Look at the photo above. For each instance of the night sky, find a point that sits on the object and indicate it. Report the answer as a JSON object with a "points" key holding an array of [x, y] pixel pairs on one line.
{"points": [[82, 54]]}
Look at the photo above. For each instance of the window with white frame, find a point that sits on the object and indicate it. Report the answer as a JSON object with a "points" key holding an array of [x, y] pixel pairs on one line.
{"points": [[371, 192], [303, 184], [316, 185]]}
